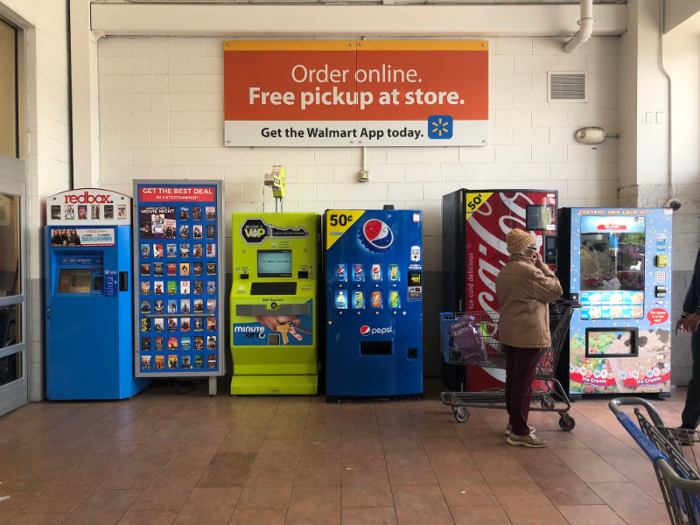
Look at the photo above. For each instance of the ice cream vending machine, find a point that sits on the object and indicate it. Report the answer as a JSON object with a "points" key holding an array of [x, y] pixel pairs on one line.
{"points": [[273, 303], [617, 262], [474, 228], [88, 285], [374, 301]]}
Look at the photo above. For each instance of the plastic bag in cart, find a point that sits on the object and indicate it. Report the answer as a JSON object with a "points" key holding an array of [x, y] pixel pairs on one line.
{"points": [[468, 338]]}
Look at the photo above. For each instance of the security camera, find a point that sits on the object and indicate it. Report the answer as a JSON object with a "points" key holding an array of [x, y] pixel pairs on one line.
{"points": [[674, 204]]}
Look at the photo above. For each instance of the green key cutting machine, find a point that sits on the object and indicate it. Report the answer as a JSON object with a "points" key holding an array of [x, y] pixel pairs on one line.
{"points": [[273, 301]]}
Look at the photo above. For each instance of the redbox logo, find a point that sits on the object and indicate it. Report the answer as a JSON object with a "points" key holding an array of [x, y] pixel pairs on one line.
{"points": [[86, 198]]}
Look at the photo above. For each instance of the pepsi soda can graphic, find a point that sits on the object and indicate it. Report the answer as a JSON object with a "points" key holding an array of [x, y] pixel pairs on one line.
{"points": [[358, 275], [358, 300], [376, 299], [394, 300], [376, 272], [340, 273], [394, 272]]}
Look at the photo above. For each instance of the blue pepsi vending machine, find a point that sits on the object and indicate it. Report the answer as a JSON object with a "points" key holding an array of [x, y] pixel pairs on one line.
{"points": [[374, 298], [89, 314]]}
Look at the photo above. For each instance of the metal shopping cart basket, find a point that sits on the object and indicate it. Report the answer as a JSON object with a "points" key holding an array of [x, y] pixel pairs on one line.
{"points": [[479, 346], [676, 466]]}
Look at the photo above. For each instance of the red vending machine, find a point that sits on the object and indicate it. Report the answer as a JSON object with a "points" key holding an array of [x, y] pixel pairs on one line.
{"points": [[474, 228]]}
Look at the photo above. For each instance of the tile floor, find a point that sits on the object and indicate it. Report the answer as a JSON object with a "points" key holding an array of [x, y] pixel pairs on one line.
{"points": [[162, 459]]}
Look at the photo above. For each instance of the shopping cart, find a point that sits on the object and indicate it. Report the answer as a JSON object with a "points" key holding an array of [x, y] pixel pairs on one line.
{"points": [[676, 466], [550, 397]]}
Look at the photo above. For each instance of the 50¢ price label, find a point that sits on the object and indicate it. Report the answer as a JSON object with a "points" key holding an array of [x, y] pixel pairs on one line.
{"points": [[475, 200], [338, 222]]}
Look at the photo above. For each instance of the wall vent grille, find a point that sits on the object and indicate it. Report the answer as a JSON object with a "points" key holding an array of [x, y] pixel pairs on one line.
{"points": [[567, 87]]}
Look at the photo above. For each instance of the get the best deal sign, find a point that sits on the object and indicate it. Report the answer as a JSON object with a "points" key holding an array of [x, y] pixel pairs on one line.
{"points": [[335, 93]]}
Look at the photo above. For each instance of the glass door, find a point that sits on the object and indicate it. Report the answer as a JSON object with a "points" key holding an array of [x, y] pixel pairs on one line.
{"points": [[13, 355], [13, 361]]}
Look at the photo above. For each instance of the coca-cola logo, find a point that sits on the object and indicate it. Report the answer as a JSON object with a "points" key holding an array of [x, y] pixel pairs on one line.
{"points": [[87, 198], [486, 244]]}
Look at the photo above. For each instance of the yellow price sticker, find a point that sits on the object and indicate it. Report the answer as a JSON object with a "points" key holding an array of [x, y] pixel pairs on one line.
{"points": [[338, 222], [475, 200]]}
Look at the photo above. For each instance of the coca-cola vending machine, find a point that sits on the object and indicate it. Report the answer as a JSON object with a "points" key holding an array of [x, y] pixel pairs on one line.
{"points": [[474, 228]]}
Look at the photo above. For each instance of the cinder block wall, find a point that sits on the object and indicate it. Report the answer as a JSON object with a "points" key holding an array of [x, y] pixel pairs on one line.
{"points": [[161, 116]]}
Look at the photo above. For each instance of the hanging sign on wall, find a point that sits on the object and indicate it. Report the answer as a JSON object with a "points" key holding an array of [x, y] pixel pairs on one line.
{"points": [[342, 93]]}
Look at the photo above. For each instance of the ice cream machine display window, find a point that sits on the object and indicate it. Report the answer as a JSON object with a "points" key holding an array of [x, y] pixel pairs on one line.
{"points": [[612, 267], [612, 342]]}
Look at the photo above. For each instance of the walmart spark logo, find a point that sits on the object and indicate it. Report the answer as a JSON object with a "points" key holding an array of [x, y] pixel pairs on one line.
{"points": [[440, 127]]}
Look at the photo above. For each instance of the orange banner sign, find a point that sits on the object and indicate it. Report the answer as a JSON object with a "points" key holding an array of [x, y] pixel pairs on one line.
{"points": [[341, 93]]}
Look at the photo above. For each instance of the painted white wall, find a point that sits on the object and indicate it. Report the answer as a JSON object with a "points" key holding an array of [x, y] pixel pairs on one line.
{"points": [[678, 11], [627, 96], [652, 97], [48, 152], [84, 109], [161, 116], [643, 92], [682, 61]]}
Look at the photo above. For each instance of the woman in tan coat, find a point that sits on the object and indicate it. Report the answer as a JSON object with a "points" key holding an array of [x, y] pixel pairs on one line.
{"points": [[525, 286]]}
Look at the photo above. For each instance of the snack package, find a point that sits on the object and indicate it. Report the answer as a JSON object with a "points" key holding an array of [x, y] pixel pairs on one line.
{"points": [[468, 338]]}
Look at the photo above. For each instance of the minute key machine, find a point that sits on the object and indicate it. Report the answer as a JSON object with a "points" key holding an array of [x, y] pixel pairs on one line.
{"points": [[273, 303]]}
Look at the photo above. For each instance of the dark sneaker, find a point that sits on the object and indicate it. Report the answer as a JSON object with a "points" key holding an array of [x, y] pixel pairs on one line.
{"points": [[530, 441], [509, 429]]}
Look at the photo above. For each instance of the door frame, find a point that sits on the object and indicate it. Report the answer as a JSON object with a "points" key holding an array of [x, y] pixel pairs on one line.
{"points": [[12, 176]]}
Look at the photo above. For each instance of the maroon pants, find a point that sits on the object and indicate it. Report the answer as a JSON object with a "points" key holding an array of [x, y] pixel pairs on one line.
{"points": [[521, 365]]}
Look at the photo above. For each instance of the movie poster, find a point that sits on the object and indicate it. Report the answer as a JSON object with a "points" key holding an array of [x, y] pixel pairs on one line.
{"points": [[178, 277], [157, 222]]}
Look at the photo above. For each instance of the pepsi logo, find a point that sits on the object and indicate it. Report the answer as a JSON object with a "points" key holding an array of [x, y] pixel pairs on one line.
{"points": [[376, 235], [366, 330]]}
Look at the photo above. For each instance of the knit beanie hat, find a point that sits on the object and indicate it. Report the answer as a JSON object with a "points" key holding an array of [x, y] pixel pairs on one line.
{"points": [[517, 240]]}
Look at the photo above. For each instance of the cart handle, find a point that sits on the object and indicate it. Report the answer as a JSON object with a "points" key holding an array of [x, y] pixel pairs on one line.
{"points": [[616, 403], [658, 458], [642, 440]]}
